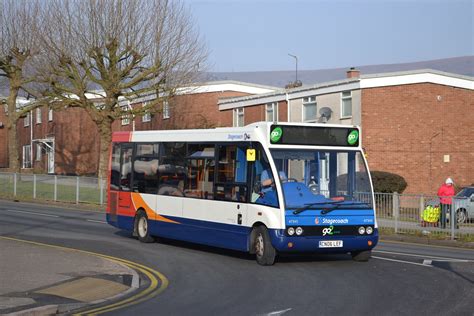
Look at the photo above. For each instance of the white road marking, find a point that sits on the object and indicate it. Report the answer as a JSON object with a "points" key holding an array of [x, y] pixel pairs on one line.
{"points": [[93, 221], [32, 213], [402, 261], [277, 313], [421, 256], [427, 262]]}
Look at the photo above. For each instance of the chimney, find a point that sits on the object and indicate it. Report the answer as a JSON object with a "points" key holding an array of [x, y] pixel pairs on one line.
{"points": [[353, 73]]}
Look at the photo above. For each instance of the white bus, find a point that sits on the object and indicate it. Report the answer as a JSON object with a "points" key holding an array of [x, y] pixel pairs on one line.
{"points": [[265, 188]]}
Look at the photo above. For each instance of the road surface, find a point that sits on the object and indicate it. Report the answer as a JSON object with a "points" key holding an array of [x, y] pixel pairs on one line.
{"points": [[399, 279]]}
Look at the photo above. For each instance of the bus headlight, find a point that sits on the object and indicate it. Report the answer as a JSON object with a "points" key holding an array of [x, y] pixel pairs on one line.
{"points": [[299, 231], [291, 231], [369, 230], [361, 230]]}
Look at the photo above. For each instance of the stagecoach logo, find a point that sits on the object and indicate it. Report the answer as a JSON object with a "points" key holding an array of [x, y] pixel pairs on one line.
{"points": [[275, 135], [243, 136], [332, 221], [316, 221], [352, 137]]}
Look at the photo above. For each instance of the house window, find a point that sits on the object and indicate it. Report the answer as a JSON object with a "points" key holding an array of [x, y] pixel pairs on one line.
{"points": [[147, 115], [166, 110], [125, 117], [26, 156], [346, 104], [26, 120], [271, 112], [38, 152], [38, 115], [238, 117], [309, 109], [50, 115]]}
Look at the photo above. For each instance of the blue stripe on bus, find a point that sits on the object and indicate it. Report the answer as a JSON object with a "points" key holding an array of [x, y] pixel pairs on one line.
{"points": [[237, 237], [201, 232]]}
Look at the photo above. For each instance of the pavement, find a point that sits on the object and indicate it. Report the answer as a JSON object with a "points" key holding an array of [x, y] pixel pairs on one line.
{"points": [[38, 279]]}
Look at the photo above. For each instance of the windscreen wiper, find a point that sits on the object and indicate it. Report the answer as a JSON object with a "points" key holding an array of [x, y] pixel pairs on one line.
{"points": [[309, 205], [327, 210]]}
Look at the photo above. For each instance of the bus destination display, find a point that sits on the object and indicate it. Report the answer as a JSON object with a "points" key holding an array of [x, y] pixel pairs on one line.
{"points": [[314, 136]]}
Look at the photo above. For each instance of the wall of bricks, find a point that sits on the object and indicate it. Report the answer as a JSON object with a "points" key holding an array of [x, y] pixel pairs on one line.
{"points": [[409, 129]]}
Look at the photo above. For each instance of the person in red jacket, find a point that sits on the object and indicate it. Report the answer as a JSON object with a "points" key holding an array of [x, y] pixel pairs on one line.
{"points": [[445, 194]]}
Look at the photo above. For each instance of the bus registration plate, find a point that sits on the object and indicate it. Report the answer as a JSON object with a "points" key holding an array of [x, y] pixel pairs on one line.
{"points": [[330, 243]]}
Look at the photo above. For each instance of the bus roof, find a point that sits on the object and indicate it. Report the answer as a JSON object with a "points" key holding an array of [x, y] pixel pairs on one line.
{"points": [[259, 131]]}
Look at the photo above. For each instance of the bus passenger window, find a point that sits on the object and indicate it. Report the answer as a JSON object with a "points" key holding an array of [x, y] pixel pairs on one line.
{"points": [[115, 168], [232, 173], [172, 169], [200, 172], [145, 168]]}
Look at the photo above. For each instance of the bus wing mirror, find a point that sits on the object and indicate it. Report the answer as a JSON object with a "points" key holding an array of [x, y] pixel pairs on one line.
{"points": [[251, 154]]}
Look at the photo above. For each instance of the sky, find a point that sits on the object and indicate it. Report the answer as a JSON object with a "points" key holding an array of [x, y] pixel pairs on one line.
{"points": [[258, 35]]}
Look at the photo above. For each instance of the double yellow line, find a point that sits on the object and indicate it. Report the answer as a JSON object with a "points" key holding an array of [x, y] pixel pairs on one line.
{"points": [[158, 282]]}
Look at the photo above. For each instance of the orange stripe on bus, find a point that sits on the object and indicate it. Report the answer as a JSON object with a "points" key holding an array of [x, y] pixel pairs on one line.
{"points": [[138, 202]]}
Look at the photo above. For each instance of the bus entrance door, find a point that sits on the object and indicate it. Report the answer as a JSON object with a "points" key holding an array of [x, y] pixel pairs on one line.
{"points": [[125, 197]]}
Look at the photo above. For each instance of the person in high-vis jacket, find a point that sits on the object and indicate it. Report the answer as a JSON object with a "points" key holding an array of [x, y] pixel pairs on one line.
{"points": [[445, 194]]}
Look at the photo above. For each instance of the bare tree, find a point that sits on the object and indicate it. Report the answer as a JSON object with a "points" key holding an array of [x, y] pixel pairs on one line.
{"points": [[18, 47], [104, 53]]}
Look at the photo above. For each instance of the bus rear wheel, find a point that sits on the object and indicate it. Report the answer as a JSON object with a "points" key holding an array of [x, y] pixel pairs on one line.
{"points": [[264, 251], [142, 227], [361, 256]]}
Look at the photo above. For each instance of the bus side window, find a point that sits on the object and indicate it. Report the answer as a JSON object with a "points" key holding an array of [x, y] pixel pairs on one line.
{"points": [[172, 169], [115, 168], [263, 184], [231, 177], [200, 171], [145, 168]]}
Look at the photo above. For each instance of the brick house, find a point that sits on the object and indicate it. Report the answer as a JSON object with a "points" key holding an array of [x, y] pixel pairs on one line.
{"points": [[416, 124], [66, 141]]}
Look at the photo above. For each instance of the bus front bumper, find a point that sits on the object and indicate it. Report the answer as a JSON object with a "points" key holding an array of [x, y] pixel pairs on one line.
{"points": [[284, 243]]}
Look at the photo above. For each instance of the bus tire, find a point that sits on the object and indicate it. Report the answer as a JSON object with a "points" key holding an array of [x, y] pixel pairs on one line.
{"points": [[265, 253], [361, 256], [142, 227]]}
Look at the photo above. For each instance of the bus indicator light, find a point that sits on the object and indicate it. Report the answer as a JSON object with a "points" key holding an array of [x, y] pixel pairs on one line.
{"points": [[369, 243], [290, 245]]}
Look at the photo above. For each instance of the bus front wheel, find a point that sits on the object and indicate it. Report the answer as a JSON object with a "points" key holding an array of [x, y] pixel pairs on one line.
{"points": [[142, 227], [264, 250], [361, 256]]}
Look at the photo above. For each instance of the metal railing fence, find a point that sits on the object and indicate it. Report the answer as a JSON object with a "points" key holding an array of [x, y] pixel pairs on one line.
{"points": [[53, 188], [421, 214]]}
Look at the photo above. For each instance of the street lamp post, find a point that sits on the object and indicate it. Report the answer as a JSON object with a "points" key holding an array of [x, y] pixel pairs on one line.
{"points": [[296, 60]]}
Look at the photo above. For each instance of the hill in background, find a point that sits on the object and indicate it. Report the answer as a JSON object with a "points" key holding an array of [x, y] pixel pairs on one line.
{"points": [[457, 65]]}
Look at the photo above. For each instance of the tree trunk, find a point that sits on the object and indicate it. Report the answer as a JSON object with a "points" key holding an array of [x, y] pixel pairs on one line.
{"points": [[105, 131], [13, 156]]}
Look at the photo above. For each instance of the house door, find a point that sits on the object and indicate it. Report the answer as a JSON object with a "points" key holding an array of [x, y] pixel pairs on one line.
{"points": [[50, 156]]}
